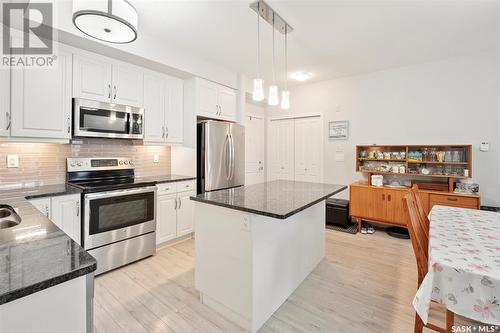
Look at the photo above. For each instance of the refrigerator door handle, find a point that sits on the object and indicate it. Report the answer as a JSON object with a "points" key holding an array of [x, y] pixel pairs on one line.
{"points": [[232, 156], [227, 146]]}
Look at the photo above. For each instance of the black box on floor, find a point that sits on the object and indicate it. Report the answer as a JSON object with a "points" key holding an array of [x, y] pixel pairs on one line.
{"points": [[337, 212]]}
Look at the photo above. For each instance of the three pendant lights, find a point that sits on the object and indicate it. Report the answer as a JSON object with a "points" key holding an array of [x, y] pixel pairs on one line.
{"points": [[258, 83]]}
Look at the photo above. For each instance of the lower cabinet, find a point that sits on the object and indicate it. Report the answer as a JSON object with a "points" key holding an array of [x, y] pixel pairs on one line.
{"points": [[64, 211], [386, 206], [174, 213]]}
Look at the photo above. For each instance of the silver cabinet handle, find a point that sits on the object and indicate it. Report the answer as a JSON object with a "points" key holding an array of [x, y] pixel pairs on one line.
{"points": [[68, 121], [114, 97], [166, 134], [180, 203], [109, 90], [46, 210], [9, 120], [175, 203], [78, 208], [163, 132]]}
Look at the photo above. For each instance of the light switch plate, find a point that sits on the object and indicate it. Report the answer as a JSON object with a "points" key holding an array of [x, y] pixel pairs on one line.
{"points": [[156, 158], [12, 161]]}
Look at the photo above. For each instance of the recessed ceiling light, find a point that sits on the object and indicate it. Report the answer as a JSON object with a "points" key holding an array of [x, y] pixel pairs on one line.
{"points": [[301, 75]]}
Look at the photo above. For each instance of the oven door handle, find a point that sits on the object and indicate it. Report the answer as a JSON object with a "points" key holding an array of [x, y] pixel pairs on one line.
{"points": [[109, 194]]}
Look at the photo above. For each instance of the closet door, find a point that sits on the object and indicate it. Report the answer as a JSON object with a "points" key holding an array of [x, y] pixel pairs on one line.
{"points": [[314, 149], [281, 149], [301, 149]]}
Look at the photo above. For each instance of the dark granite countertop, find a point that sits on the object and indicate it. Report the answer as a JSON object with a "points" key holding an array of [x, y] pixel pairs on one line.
{"points": [[36, 254], [165, 178], [278, 199]]}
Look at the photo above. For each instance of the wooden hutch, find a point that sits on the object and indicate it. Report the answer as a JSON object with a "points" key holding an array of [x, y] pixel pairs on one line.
{"points": [[443, 164]]}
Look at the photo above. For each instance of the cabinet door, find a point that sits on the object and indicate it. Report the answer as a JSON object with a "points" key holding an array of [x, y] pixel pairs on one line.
{"points": [[185, 213], [128, 84], [4, 101], [227, 102], [395, 209], [174, 112], [36, 111], [154, 108], [92, 77], [65, 213], [166, 218], [43, 205], [367, 202], [207, 99]]}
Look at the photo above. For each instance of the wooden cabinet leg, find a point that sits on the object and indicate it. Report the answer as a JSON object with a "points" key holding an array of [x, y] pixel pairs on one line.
{"points": [[450, 320]]}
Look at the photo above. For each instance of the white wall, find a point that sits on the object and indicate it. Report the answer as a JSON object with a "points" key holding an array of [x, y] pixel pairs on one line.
{"points": [[450, 101]]}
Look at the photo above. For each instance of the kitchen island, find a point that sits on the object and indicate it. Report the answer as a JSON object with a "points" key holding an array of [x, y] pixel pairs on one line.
{"points": [[255, 244]]}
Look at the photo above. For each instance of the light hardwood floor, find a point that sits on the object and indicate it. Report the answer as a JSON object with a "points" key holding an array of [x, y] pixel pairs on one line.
{"points": [[365, 284]]}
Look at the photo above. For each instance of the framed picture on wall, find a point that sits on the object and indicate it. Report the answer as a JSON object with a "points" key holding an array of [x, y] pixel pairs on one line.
{"points": [[338, 130]]}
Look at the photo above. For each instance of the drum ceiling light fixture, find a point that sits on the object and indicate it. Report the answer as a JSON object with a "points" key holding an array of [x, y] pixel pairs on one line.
{"points": [[113, 21]]}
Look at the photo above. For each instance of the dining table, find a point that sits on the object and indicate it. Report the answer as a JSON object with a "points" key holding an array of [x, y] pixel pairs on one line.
{"points": [[464, 264]]}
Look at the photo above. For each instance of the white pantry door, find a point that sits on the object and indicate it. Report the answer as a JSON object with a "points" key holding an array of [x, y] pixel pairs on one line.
{"points": [[254, 150]]}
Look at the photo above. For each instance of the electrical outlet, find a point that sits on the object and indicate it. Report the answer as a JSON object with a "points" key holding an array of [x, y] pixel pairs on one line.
{"points": [[156, 158], [245, 226], [12, 161]]}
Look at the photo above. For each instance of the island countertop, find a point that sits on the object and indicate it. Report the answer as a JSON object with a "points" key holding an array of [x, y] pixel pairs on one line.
{"points": [[278, 199]]}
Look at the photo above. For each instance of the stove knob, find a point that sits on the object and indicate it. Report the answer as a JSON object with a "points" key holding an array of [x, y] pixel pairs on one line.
{"points": [[121, 162], [73, 164], [131, 162], [125, 162], [79, 164]]}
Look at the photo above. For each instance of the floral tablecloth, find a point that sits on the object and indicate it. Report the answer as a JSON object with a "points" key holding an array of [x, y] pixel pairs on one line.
{"points": [[464, 264]]}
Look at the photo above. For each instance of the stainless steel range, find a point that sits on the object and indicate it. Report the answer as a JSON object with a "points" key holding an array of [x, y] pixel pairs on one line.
{"points": [[119, 213]]}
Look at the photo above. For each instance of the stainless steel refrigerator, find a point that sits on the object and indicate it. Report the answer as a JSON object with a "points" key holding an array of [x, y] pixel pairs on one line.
{"points": [[220, 155]]}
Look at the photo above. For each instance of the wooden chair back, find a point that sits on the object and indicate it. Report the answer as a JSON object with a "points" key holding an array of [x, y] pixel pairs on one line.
{"points": [[420, 208], [419, 239]]}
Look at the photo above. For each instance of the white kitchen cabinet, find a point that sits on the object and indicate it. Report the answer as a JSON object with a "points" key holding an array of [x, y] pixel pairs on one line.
{"points": [[214, 100], [36, 113], [107, 80], [127, 84], [185, 213], [92, 77], [65, 213], [163, 104], [4, 101], [43, 205], [166, 215], [175, 214]]}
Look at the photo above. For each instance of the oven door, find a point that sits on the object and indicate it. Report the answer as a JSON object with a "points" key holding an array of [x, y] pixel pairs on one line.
{"points": [[117, 215], [97, 119]]}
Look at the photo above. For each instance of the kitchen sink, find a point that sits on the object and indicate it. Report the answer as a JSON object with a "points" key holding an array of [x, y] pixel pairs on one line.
{"points": [[8, 217]]}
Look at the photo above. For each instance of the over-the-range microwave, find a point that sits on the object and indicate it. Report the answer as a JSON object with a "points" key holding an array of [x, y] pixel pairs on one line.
{"points": [[107, 120]]}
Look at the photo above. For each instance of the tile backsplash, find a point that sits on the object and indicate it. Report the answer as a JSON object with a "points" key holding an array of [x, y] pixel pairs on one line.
{"points": [[45, 163]]}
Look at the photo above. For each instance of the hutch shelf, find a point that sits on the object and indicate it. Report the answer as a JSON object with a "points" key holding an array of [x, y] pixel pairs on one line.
{"points": [[435, 167]]}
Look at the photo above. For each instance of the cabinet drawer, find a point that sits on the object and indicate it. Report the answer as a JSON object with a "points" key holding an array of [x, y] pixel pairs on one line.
{"points": [[453, 200], [188, 185], [166, 188]]}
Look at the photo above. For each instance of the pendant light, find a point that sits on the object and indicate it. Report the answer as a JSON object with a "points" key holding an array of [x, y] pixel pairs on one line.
{"points": [[273, 98], [113, 21], [258, 83], [285, 94]]}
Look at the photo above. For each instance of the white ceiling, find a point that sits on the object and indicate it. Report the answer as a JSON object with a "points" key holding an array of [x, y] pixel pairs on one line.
{"points": [[331, 38]]}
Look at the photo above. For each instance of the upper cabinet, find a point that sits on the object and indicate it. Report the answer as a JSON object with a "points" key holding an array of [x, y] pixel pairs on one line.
{"points": [[163, 107], [41, 100], [215, 101], [106, 80], [4, 101]]}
